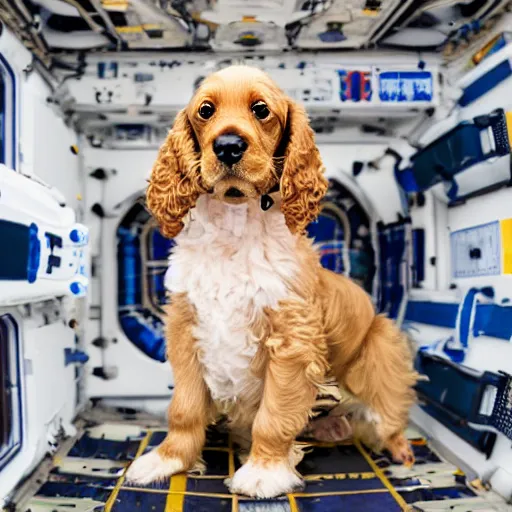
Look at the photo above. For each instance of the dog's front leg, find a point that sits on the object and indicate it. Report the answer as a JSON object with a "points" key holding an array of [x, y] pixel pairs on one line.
{"points": [[190, 407], [296, 364]]}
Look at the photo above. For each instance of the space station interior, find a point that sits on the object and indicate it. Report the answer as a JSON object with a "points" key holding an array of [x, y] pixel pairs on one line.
{"points": [[411, 105]]}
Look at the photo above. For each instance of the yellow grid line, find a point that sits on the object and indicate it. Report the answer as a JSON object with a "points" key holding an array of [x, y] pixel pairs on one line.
{"points": [[322, 444], [113, 497], [382, 476], [337, 493], [343, 476], [231, 462], [167, 492], [309, 478], [293, 503], [208, 477], [247, 498], [177, 492]]}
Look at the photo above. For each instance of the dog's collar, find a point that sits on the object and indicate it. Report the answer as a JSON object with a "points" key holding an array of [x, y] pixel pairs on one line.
{"points": [[266, 201]]}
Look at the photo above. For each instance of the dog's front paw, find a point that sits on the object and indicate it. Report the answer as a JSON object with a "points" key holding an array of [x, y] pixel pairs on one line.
{"points": [[265, 481], [152, 467]]}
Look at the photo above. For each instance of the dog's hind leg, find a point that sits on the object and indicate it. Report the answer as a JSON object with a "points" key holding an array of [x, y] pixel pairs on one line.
{"points": [[382, 377]]}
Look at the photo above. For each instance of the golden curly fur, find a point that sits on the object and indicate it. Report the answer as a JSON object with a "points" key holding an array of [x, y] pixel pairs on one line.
{"points": [[176, 178], [325, 326]]}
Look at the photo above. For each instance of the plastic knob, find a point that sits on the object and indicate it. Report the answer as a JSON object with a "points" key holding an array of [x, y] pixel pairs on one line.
{"points": [[77, 288], [78, 236]]}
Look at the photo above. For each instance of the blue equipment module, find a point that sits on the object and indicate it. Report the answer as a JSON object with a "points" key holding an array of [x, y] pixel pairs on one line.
{"points": [[455, 151]]}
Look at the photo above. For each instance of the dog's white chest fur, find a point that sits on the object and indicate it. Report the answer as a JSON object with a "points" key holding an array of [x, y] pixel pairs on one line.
{"points": [[231, 261]]}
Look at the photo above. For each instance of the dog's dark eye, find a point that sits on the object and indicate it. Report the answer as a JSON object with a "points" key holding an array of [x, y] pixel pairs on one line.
{"points": [[260, 109], [206, 110]]}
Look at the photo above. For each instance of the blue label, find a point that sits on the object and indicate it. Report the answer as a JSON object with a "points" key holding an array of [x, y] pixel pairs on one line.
{"points": [[355, 85], [410, 86]]}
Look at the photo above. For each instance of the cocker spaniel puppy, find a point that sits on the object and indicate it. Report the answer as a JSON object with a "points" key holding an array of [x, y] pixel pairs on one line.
{"points": [[255, 324]]}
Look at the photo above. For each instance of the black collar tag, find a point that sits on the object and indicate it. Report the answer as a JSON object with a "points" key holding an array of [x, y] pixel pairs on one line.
{"points": [[266, 202]]}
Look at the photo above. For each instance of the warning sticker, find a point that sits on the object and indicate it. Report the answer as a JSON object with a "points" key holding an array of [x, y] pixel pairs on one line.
{"points": [[476, 251]]}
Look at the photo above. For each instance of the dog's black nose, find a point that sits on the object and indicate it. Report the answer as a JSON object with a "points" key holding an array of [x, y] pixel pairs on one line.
{"points": [[229, 148]]}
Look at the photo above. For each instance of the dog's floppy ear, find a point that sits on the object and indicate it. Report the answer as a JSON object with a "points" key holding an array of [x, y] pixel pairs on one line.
{"points": [[303, 184], [175, 182]]}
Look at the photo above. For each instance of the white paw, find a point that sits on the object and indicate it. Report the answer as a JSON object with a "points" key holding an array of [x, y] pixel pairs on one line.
{"points": [[264, 481], [152, 468]]}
